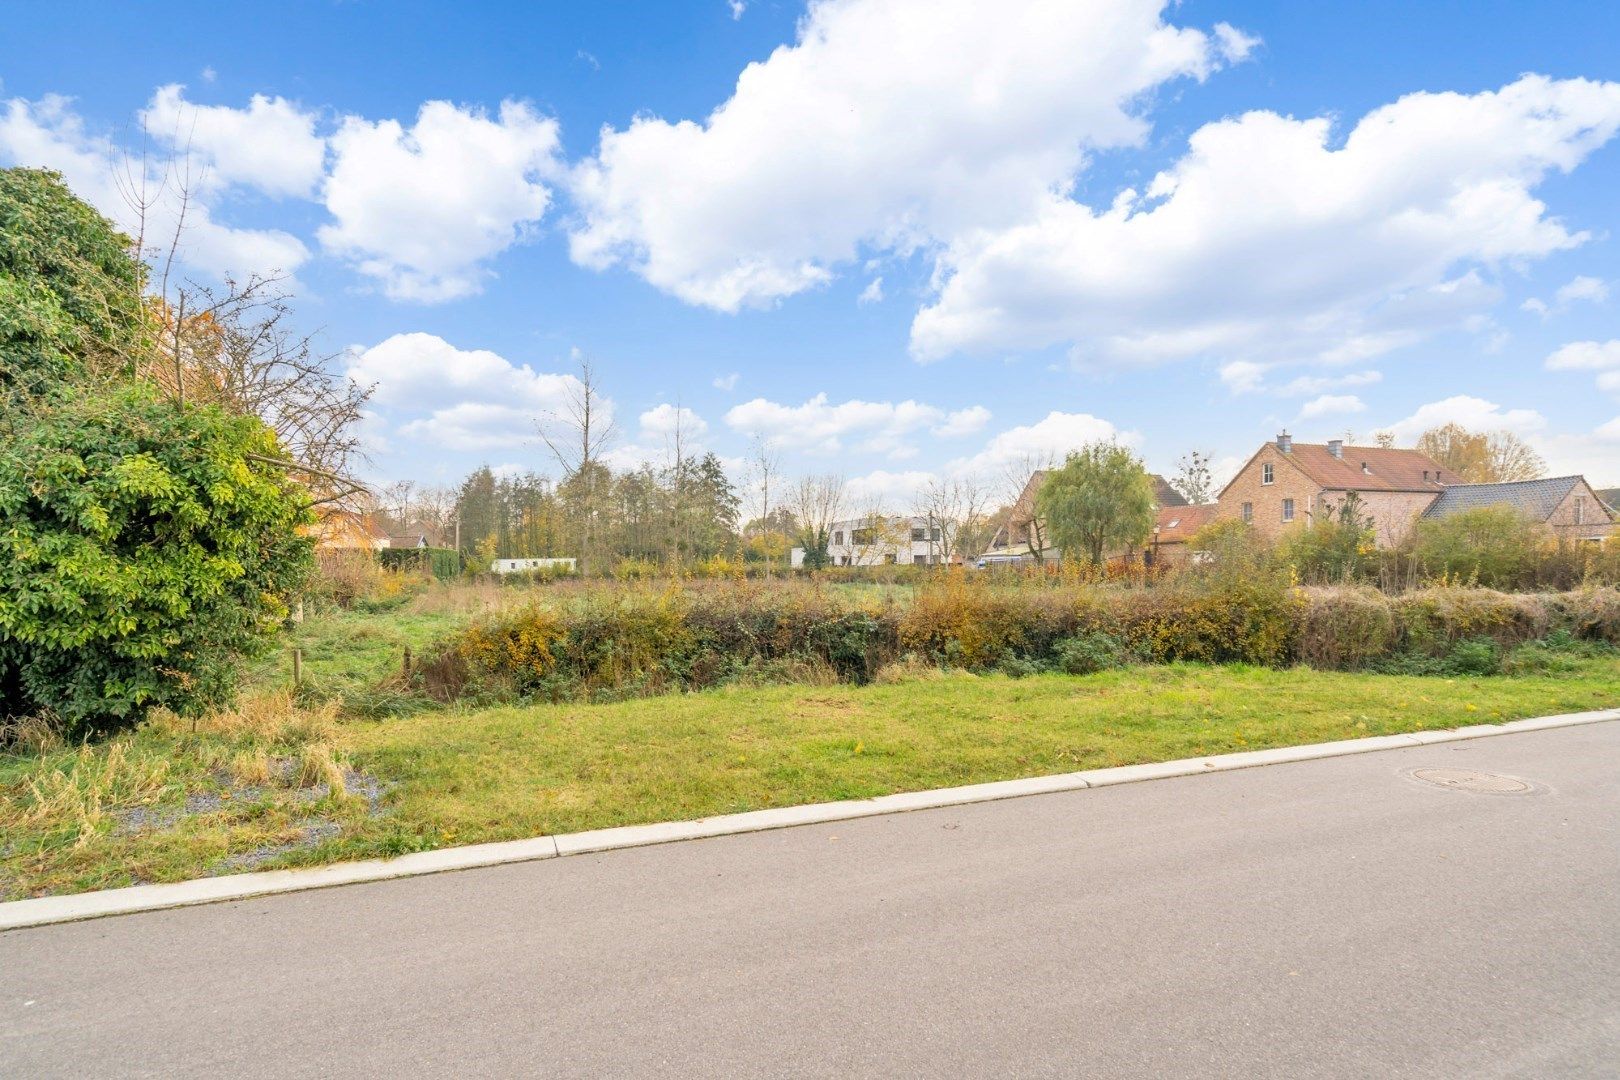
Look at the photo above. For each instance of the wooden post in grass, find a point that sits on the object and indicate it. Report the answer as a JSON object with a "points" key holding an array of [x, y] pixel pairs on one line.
{"points": [[405, 665], [298, 668]]}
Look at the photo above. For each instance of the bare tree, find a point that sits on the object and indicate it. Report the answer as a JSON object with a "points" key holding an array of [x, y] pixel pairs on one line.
{"points": [[763, 467], [948, 507], [576, 435], [816, 502]]}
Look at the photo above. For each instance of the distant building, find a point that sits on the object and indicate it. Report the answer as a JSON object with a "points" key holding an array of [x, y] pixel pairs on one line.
{"points": [[1023, 532], [1288, 485], [517, 566], [882, 541], [418, 540], [1565, 505], [345, 530]]}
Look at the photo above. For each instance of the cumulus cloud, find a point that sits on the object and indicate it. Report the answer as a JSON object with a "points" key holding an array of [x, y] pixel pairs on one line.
{"points": [[821, 427], [458, 399], [49, 133], [1473, 413], [1586, 356], [1052, 437], [727, 382], [422, 209], [1578, 289], [1331, 405], [271, 145], [891, 492], [887, 125], [872, 294], [662, 421], [1268, 242]]}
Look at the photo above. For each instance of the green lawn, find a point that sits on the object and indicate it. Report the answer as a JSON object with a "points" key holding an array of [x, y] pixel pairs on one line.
{"points": [[118, 813]]}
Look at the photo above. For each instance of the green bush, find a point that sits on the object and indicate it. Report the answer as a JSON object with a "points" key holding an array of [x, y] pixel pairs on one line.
{"points": [[1475, 656], [1493, 546], [143, 554], [1090, 652], [441, 563]]}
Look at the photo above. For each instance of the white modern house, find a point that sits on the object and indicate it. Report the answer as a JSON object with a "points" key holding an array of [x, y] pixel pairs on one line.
{"points": [[882, 541]]}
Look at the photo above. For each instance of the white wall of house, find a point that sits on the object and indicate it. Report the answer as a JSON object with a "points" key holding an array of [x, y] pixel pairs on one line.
{"points": [[517, 566], [907, 541]]}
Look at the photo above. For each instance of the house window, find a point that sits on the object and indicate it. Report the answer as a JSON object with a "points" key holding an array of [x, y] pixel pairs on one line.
{"points": [[1580, 509], [935, 537], [919, 560], [919, 534], [1248, 513], [1288, 509], [861, 537], [1268, 473], [838, 537]]}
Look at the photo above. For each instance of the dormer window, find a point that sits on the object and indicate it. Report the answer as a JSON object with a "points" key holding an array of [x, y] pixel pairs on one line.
{"points": [[1268, 473]]}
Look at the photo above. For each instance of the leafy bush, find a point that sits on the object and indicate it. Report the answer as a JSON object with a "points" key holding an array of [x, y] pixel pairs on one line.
{"points": [[1090, 652], [1346, 628], [1492, 546], [143, 554], [1475, 656], [441, 563]]}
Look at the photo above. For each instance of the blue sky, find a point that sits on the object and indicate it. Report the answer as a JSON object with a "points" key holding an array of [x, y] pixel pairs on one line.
{"points": [[894, 253]]}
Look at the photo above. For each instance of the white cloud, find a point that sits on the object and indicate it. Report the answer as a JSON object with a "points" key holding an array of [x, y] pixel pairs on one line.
{"points": [[661, 422], [872, 294], [963, 422], [1586, 356], [727, 382], [1331, 405], [1051, 437], [887, 125], [1590, 289], [737, 8], [1580, 288], [459, 399], [1317, 384], [890, 492], [423, 209], [820, 427], [48, 133], [1473, 413], [1266, 243], [271, 145]]}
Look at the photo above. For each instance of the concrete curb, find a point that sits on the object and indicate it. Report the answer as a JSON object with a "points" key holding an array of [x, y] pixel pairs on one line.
{"points": [[45, 910]]}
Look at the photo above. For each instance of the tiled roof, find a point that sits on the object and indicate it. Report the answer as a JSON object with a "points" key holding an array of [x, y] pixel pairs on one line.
{"points": [[1164, 494], [1535, 499], [1177, 524], [1610, 497], [1371, 468]]}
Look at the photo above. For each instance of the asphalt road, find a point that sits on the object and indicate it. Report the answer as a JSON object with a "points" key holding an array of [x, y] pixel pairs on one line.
{"points": [[1326, 918]]}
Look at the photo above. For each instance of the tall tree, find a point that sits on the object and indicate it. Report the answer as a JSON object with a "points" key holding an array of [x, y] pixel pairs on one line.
{"points": [[1482, 457], [1193, 479], [764, 466], [1099, 500], [576, 434], [816, 502]]}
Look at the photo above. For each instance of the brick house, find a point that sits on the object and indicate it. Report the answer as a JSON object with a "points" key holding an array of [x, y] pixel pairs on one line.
{"points": [[1289, 485], [1565, 505]]}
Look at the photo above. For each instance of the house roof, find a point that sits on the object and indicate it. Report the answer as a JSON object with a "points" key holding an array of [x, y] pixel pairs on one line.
{"points": [[1371, 468], [1177, 524], [1535, 499], [1164, 494], [1611, 498]]}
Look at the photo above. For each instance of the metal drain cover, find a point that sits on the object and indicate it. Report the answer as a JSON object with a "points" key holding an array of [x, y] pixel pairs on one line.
{"points": [[1470, 780]]}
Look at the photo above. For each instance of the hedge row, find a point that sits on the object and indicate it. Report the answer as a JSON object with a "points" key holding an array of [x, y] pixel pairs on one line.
{"points": [[620, 642]]}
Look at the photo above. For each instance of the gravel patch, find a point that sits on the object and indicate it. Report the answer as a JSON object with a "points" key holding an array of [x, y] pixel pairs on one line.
{"points": [[310, 834]]}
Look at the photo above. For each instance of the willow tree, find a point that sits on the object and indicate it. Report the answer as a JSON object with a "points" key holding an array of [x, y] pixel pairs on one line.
{"points": [[1100, 500]]}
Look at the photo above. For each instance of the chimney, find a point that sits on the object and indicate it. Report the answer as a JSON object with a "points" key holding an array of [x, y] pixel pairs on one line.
{"points": [[1336, 447], [1285, 443]]}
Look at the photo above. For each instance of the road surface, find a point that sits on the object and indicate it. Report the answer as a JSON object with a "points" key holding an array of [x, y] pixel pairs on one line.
{"points": [[1325, 918]]}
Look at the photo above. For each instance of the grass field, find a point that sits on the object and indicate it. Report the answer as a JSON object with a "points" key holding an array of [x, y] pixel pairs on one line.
{"points": [[275, 785]]}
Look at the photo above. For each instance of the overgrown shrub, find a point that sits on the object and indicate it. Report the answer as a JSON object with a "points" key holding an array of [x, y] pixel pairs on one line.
{"points": [[144, 553], [1346, 628], [1090, 652], [439, 563]]}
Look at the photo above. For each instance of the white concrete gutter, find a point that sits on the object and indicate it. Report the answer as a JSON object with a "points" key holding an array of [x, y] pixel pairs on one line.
{"points": [[56, 909]]}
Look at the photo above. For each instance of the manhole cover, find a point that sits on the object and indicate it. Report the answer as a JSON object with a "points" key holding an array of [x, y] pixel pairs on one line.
{"points": [[1469, 780]]}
